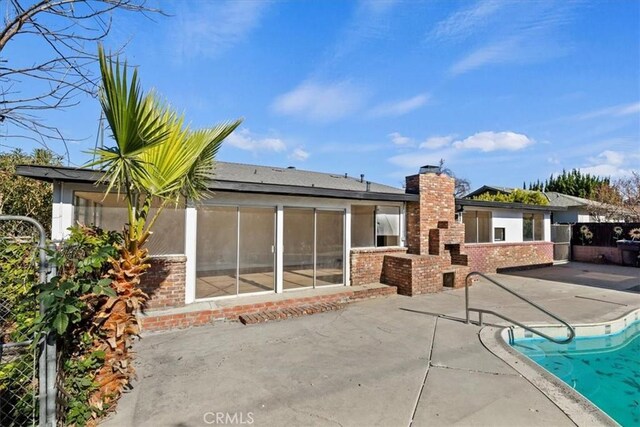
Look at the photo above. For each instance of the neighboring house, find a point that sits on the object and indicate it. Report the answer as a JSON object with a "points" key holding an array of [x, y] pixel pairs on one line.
{"points": [[275, 230], [576, 209]]}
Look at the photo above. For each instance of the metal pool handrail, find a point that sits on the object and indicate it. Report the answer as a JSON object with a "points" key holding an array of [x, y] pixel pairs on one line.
{"points": [[480, 311]]}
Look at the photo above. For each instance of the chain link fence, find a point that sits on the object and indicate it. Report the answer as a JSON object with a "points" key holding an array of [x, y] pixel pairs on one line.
{"points": [[24, 391]]}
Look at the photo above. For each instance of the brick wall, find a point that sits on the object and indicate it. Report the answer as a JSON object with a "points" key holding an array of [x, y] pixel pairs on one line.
{"points": [[489, 257], [594, 253], [164, 282], [367, 263], [421, 274]]}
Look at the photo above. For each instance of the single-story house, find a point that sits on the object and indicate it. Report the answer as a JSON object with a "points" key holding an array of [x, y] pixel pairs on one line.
{"points": [[277, 230], [577, 209]]}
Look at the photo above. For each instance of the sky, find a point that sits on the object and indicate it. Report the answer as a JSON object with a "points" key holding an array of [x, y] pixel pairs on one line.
{"points": [[503, 91]]}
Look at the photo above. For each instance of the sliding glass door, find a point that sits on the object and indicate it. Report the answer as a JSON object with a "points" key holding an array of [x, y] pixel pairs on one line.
{"points": [[256, 252], [235, 251], [313, 248]]}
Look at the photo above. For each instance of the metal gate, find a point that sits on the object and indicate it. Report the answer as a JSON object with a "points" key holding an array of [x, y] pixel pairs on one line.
{"points": [[561, 238], [27, 370]]}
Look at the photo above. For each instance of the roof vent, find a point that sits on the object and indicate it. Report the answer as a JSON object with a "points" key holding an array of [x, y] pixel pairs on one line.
{"points": [[291, 167], [429, 169], [361, 177]]}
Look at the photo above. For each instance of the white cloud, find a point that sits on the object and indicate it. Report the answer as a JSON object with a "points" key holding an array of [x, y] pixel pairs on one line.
{"points": [[437, 142], [463, 23], [496, 53], [299, 154], [400, 140], [614, 111], [369, 21], [320, 101], [399, 108], [210, 28], [245, 140], [509, 32], [492, 141], [610, 163]]}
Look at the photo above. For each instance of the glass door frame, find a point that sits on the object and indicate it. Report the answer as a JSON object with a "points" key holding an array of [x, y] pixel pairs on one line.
{"points": [[238, 225], [343, 211]]}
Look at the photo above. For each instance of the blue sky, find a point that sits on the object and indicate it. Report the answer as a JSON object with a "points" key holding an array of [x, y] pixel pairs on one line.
{"points": [[504, 91]]}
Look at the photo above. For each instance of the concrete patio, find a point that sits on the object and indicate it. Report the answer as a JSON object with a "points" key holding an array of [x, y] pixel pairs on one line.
{"points": [[388, 362]]}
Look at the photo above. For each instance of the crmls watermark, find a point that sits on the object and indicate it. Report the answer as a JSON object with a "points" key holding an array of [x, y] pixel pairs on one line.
{"points": [[228, 418]]}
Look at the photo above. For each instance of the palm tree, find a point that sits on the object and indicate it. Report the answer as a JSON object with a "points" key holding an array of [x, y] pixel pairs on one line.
{"points": [[156, 159]]}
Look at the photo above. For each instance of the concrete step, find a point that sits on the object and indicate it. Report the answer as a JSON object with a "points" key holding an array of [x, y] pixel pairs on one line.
{"points": [[285, 313]]}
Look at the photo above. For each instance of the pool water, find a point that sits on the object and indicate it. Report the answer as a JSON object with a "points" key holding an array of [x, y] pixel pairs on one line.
{"points": [[605, 369]]}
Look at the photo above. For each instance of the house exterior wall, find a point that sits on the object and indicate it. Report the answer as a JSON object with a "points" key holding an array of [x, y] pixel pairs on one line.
{"points": [[164, 282], [512, 220], [491, 257], [432, 242]]}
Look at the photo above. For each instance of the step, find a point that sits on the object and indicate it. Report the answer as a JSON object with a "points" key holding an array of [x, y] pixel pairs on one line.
{"points": [[286, 313]]}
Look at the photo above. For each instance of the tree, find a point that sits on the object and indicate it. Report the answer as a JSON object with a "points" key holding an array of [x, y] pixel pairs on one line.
{"points": [[25, 196], [67, 30], [155, 159], [619, 201], [573, 183], [516, 196], [462, 185]]}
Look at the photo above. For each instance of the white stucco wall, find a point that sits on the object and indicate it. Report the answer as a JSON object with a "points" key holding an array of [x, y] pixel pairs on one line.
{"points": [[511, 221]]}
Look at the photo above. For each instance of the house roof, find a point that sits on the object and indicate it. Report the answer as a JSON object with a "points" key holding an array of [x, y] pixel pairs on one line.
{"points": [[559, 199], [240, 177], [489, 189]]}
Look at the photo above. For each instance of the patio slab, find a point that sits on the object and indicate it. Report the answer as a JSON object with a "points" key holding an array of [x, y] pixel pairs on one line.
{"points": [[364, 365]]}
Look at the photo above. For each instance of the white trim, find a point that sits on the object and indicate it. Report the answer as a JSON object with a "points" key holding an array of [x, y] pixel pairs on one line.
{"points": [[279, 267], [190, 242], [346, 262]]}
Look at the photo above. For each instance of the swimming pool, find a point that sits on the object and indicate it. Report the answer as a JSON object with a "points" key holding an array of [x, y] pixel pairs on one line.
{"points": [[603, 366]]}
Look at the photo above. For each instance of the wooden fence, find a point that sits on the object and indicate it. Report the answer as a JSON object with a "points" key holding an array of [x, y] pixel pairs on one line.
{"points": [[602, 234]]}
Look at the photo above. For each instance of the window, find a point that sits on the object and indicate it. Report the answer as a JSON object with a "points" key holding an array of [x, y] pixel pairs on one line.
{"points": [[110, 213], [477, 226], [532, 227], [387, 226], [375, 226], [498, 234], [87, 212]]}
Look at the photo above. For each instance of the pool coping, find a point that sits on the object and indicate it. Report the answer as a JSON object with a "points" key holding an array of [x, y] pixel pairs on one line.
{"points": [[578, 408]]}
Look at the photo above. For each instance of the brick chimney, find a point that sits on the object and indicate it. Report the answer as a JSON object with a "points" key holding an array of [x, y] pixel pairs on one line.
{"points": [[435, 209]]}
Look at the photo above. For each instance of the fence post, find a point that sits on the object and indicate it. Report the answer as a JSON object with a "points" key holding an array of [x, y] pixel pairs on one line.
{"points": [[47, 358]]}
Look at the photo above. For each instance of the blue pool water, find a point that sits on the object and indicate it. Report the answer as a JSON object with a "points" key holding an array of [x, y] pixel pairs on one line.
{"points": [[604, 369]]}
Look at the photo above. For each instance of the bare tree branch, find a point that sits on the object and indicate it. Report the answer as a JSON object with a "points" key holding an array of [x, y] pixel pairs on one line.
{"points": [[68, 30]]}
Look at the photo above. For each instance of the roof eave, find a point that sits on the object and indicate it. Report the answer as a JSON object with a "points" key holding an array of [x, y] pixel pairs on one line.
{"points": [[79, 175], [503, 205]]}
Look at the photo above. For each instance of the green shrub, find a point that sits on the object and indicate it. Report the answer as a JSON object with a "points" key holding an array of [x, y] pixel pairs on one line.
{"points": [[516, 196]]}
